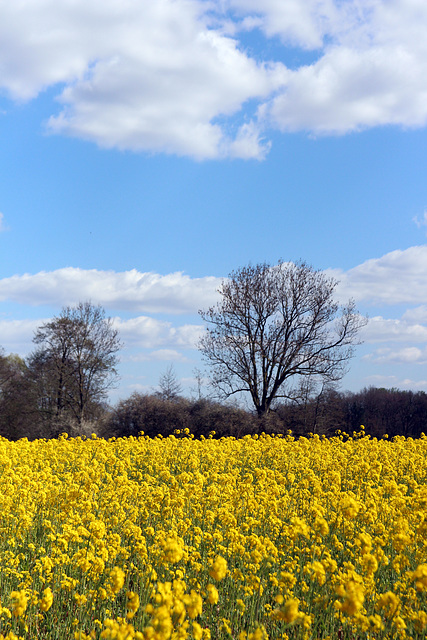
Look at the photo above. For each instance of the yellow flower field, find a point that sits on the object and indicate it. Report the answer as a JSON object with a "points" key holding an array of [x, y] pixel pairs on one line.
{"points": [[262, 537]]}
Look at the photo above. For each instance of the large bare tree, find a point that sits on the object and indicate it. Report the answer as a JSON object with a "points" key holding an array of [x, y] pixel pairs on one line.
{"points": [[75, 362], [275, 326]]}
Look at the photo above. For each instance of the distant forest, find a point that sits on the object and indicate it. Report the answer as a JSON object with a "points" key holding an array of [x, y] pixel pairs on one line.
{"points": [[62, 387], [381, 411]]}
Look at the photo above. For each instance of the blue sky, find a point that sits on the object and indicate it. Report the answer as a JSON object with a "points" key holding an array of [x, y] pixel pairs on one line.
{"points": [[148, 149]]}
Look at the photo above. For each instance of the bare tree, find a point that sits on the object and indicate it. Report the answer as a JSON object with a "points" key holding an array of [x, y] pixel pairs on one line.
{"points": [[199, 380], [274, 326], [75, 363], [170, 388]]}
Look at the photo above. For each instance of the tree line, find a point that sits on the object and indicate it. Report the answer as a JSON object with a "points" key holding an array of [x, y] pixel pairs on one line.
{"points": [[276, 336], [165, 412], [381, 411]]}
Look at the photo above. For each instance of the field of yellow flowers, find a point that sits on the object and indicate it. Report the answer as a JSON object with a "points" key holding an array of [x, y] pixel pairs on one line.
{"points": [[260, 538]]}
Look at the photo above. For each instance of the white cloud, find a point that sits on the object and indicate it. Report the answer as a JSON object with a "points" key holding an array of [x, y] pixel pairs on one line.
{"points": [[159, 355], [249, 143], [17, 335], [148, 332], [300, 24], [417, 314], [149, 76], [407, 355], [398, 277], [389, 382], [349, 89], [371, 66], [421, 222], [127, 290], [172, 76], [142, 332], [381, 329], [2, 223]]}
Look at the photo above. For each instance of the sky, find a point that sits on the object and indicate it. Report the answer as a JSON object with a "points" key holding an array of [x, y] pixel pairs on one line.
{"points": [[147, 149]]}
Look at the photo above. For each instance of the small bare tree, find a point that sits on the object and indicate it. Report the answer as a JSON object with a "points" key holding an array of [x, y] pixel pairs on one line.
{"points": [[274, 326], [170, 388]]}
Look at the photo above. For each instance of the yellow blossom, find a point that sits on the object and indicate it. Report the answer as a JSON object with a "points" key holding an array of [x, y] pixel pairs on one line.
{"points": [[289, 611], [172, 550], [389, 602], [117, 579], [218, 569], [193, 603], [132, 604], [46, 600], [19, 601], [353, 594], [212, 594], [197, 631]]}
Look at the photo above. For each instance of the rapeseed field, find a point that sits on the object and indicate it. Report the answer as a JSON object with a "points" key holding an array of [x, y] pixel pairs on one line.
{"points": [[260, 538]]}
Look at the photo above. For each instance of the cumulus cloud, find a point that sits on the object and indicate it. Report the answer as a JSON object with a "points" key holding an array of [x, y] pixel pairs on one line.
{"points": [[398, 277], [301, 24], [406, 355], [151, 76], [421, 222], [387, 381], [146, 332], [381, 329], [351, 89], [128, 290], [174, 76], [17, 335], [141, 332], [370, 68], [159, 355], [417, 314]]}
